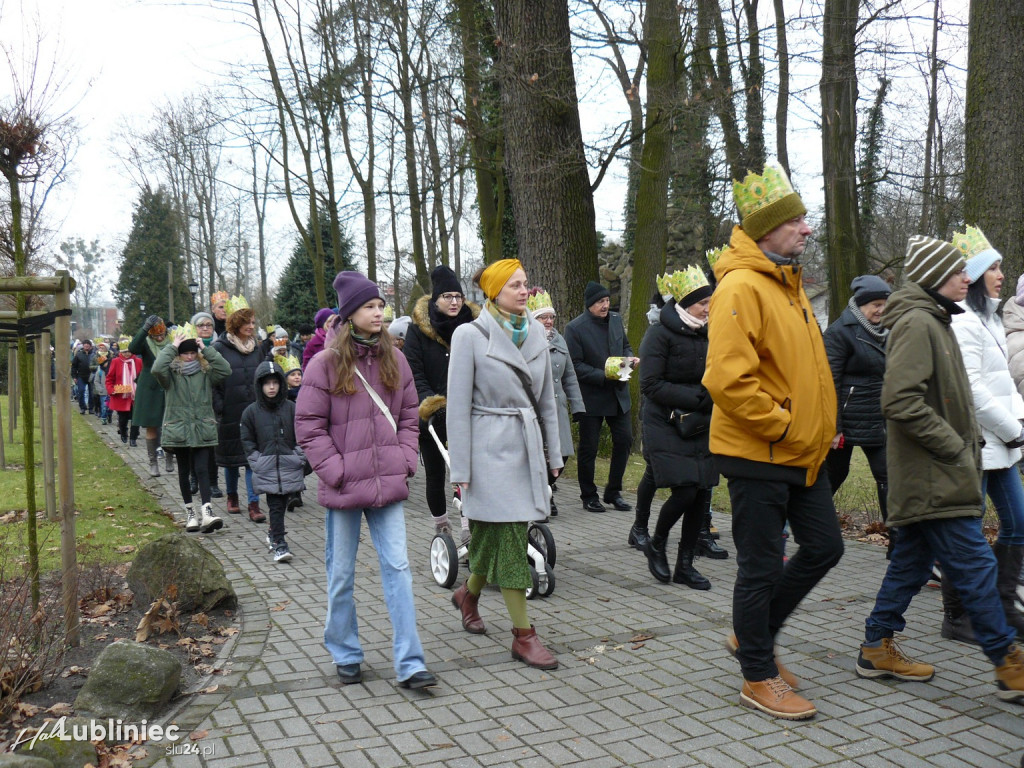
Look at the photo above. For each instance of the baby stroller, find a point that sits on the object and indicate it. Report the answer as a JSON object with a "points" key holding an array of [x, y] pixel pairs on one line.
{"points": [[445, 554]]}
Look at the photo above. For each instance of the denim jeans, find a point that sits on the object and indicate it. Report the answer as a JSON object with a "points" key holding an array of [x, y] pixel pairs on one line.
{"points": [[341, 631], [1004, 487], [967, 561], [768, 590], [586, 456], [231, 482], [104, 403], [84, 394]]}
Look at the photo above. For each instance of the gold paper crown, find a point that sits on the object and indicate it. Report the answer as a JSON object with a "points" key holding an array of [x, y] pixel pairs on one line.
{"points": [[714, 255], [539, 300], [218, 296], [99, 340], [972, 242], [235, 303], [124, 341], [755, 192], [389, 314], [186, 331], [289, 364], [682, 283]]}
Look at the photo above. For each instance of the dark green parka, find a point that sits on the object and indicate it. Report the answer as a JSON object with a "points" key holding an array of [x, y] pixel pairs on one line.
{"points": [[188, 408], [933, 453], [148, 410]]}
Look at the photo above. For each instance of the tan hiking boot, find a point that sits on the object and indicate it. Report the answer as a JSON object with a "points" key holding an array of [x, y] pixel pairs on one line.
{"points": [[732, 645], [889, 660], [774, 697], [1010, 675]]}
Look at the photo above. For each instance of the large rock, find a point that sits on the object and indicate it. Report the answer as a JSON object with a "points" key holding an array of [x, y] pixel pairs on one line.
{"points": [[175, 560], [17, 760], [131, 681], [56, 748]]}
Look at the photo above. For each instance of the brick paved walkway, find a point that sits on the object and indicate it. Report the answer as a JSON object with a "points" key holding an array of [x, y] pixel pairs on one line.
{"points": [[669, 701]]}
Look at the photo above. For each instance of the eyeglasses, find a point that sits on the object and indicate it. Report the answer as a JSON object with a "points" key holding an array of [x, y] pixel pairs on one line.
{"points": [[204, 325], [452, 297]]}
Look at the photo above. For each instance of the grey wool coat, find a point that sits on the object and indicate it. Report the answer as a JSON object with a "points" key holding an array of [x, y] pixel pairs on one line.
{"points": [[567, 390], [494, 438]]}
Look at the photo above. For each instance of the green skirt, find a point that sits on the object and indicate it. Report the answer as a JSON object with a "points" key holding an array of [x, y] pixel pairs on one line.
{"points": [[497, 551]]}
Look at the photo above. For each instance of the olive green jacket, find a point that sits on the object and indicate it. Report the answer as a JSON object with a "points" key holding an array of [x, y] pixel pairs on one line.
{"points": [[933, 452], [188, 407]]}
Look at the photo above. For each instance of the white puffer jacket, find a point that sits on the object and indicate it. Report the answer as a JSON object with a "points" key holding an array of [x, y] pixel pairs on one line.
{"points": [[1013, 322], [998, 406]]}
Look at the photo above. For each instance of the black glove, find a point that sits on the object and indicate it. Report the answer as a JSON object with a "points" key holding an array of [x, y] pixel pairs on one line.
{"points": [[578, 416], [150, 322], [1018, 441], [440, 417]]}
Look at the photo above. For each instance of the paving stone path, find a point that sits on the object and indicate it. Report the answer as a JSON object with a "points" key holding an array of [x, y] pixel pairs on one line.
{"points": [[671, 700]]}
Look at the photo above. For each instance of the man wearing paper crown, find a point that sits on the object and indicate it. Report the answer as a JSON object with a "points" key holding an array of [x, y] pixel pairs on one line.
{"points": [[599, 349], [771, 429]]}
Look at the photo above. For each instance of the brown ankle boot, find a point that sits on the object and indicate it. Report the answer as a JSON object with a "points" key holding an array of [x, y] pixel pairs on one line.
{"points": [[233, 507], [255, 514], [466, 602], [527, 648]]}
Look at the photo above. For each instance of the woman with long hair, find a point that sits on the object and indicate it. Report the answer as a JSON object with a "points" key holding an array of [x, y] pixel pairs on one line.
{"points": [[121, 385], [999, 409], [356, 420], [497, 447], [240, 347]]}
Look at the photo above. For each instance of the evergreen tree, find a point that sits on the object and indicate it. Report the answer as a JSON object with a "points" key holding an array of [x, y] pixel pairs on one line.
{"points": [[296, 296], [154, 242]]}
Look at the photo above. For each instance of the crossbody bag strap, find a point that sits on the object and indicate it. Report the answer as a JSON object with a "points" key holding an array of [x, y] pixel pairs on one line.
{"points": [[377, 399]]}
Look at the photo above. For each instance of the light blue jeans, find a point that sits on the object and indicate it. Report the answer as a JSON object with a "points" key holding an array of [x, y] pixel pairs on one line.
{"points": [[231, 482], [1004, 487], [341, 630]]}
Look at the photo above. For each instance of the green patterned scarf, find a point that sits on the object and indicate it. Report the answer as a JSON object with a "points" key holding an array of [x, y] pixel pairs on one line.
{"points": [[516, 326]]}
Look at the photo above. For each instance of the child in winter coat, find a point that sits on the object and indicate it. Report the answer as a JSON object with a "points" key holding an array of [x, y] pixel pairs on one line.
{"points": [[293, 374], [268, 439], [189, 429]]}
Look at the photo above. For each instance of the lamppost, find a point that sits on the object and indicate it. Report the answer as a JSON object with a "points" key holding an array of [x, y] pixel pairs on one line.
{"points": [[193, 288], [142, 310]]}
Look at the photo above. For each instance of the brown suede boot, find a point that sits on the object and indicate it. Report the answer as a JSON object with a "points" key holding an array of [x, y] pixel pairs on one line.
{"points": [[466, 602], [233, 507], [255, 514], [527, 648]]}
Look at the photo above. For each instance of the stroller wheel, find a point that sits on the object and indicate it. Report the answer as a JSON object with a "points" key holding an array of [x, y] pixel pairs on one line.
{"points": [[539, 535], [549, 581], [444, 560], [534, 590]]}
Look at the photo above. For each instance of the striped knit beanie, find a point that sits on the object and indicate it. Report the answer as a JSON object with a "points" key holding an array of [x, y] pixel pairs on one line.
{"points": [[931, 262]]}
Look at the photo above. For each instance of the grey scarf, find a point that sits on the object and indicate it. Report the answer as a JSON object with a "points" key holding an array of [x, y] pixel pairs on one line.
{"points": [[877, 332], [189, 368]]}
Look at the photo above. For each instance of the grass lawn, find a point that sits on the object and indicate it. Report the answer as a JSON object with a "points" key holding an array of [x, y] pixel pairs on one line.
{"points": [[115, 514], [857, 498]]}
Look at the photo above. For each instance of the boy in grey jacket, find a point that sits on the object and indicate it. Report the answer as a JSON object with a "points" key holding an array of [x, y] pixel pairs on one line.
{"points": [[276, 461]]}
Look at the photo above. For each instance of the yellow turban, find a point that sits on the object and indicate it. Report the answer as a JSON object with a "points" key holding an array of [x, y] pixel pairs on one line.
{"points": [[495, 276]]}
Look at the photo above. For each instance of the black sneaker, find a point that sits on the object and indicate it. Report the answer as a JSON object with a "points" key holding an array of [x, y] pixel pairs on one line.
{"points": [[349, 674], [281, 553], [216, 492], [295, 500], [419, 680]]}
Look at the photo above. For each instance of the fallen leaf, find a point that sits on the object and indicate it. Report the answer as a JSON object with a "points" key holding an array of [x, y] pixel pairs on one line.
{"points": [[197, 735], [211, 689], [60, 709]]}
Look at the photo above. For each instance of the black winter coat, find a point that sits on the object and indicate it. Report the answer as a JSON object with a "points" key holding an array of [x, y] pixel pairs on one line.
{"points": [[268, 437], [427, 352], [857, 361], [672, 360], [591, 341], [230, 399], [82, 364]]}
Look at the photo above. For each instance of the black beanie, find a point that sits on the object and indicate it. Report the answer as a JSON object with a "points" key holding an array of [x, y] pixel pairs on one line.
{"points": [[188, 345], [593, 293], [443, 280]]}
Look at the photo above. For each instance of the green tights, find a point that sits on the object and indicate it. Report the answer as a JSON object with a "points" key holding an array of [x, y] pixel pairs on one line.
{"points": [[515, 600]]}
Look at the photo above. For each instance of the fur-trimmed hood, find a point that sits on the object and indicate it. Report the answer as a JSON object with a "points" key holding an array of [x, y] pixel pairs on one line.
{"points": [[421, 316]]}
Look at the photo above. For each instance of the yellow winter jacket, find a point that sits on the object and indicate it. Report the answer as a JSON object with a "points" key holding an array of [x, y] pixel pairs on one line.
{"points": [[767, 371]]}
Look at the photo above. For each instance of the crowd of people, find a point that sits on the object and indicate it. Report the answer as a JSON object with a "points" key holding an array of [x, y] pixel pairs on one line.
{"points": [[737, 381]]}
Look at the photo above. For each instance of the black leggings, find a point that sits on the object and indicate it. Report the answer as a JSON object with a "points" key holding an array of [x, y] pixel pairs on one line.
{"points": [[689, 503], [434, 469], [122, 425], [195, 460]]}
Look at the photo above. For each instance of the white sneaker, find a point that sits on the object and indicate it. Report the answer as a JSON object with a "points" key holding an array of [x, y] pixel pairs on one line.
{"points": [[210, 522], [281, 553], [191, 521], [270, 543]]}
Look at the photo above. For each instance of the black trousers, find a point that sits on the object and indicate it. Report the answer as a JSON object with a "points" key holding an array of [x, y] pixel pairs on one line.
{"points": [[838, 464], [767, 590], [586, 455], [123, 417], [434, 469], [689, 503], [193, 460], [278, 504]]}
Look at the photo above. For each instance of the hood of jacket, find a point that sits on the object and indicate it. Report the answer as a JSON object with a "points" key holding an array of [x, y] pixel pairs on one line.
{"points": [[421, 316], [913, 297], [265, 370]]}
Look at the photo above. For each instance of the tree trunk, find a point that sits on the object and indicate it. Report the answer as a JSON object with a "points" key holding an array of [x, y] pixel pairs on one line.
{"points": [[844, 251], [994, 184], [782, 104], [547, 171]]}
